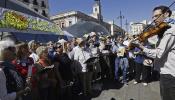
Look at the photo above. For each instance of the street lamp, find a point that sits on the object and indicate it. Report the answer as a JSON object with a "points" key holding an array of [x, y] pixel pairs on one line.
{"points": [[120, 17]]}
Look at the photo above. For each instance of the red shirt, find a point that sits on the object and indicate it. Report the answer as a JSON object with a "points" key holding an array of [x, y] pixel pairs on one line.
{"points": [[22, 66]]}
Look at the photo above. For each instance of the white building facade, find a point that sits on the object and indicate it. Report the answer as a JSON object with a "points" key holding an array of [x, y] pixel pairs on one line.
{"points": [[69, 18], [138, 27]]}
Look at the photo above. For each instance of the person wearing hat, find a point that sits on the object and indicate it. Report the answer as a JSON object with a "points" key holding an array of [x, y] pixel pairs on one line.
{"points": [[81, 55], [93, 34]]}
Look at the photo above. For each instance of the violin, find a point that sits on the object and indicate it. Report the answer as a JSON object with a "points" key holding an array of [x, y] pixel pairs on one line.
{"points": [[156, 30], [162, 27]]}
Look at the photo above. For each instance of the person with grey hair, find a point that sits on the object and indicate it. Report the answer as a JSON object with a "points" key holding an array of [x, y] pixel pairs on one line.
{"points": [[46, 76], [11, 83]]}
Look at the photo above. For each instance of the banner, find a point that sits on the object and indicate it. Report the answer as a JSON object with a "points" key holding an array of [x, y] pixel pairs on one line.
{"points": [[14, 21]]}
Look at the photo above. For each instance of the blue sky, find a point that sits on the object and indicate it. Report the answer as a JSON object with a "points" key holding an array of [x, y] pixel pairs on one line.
{"points": [[133, 10]]}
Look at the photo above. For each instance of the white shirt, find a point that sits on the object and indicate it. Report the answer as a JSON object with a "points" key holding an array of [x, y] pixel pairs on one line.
{"points": [[164, 54], [82, 55], [3, 90]]}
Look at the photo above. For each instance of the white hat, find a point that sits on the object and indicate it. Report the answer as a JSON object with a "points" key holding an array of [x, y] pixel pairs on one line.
{"points": [[62, 41], [85, 35], [93, 34], [5, 44]]}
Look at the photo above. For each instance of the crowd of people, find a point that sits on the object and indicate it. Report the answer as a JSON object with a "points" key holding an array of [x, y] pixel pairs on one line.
{"points": [[57, 70], [41, 71]]}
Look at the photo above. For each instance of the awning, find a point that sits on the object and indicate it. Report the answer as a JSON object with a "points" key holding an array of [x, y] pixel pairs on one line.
{"points": [[17, 5], [14, 21]]}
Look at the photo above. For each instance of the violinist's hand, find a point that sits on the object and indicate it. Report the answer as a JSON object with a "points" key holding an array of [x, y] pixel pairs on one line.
{"points": [[139, 45]]}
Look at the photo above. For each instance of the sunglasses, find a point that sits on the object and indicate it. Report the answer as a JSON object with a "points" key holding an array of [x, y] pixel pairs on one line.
{"points": [[59, 46]]}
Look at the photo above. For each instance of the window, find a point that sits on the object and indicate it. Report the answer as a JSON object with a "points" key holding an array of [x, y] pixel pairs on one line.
{"points": [[36, 9], [44, 13], [95, 9], [43, 4], [26, 1], [62, 25], [35, 2], [70, 23]]}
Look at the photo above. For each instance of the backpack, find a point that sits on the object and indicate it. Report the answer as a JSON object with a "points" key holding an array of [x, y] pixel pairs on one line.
{"points": [[14, 81]]}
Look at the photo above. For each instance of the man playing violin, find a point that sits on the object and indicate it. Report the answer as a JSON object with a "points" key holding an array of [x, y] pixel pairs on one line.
{"points": [[164, 53]]}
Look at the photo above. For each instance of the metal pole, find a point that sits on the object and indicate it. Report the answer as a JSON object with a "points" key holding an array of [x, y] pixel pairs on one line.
{"points": [[126, 25], [120, 17]]}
